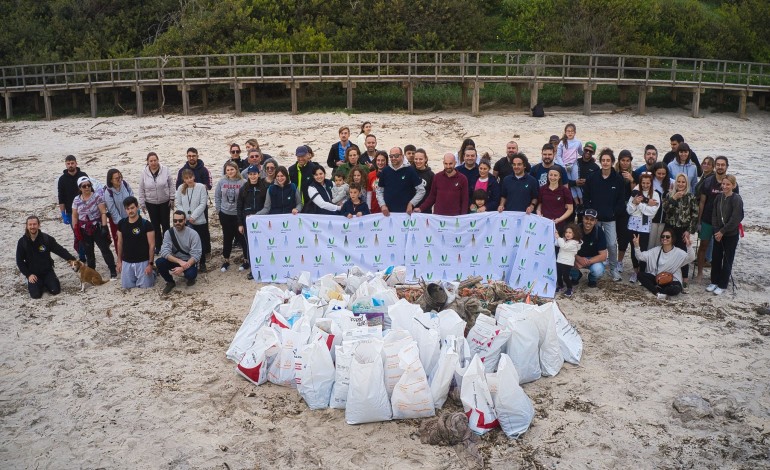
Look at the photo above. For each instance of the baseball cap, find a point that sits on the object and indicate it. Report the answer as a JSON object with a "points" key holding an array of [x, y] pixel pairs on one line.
{"points": [[590, 146], [591, 213], [252, 169], [301, 151], [83, 179]]}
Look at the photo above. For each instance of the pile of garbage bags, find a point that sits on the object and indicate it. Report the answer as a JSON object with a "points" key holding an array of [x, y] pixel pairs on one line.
{"points": [[348, 342]]}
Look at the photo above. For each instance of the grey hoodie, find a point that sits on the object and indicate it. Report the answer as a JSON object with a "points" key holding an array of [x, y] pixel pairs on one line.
{"points": [[188, 240], [226, 195]]}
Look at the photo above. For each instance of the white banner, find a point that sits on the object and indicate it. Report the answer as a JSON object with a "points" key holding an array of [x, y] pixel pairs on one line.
{"points": [[508, 246]]}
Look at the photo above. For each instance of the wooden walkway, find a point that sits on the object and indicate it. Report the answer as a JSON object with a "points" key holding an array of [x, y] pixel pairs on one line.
{"points": [[524, 70]]}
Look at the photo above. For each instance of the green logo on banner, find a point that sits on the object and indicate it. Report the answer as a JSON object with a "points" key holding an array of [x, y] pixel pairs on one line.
{"points": [[414, 258], [518, 239], [523, 262], [287, 259], [258, 260], [254, 225], [347, 258], [429, 276], [346, 225], [473, 223], [273, 277], [285, 224], [301, 240], [361, 240], [315, 224], [458, 240], [550, 271], [475, 258], [428, 239], [532, 225], [442, 224], [503, 223], [318, 258], [444, 258], [541, 247], [377, 258], [489, 239], [331, 241], [459, 277], [271, 241], [529, 285], [377, 223], [391, 239], [503, 259]]}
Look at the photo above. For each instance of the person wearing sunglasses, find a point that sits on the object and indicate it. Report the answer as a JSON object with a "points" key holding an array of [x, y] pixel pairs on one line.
{"points": [[89, 219], [180, 253], [665, 258], [235, 156]]}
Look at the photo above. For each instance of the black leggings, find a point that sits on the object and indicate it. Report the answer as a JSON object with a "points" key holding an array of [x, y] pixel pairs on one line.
{"points": [[644, 240], [648, 281], [562, 275], [45, 282], [229, 232], [103, 242], [159, 216], [679, 243], [203, 231], [722, 260]]}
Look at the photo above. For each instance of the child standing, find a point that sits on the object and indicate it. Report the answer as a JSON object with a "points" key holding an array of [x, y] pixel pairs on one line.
{"points": [[340, 188], [565, 260], [355, 206], [568, 152]]}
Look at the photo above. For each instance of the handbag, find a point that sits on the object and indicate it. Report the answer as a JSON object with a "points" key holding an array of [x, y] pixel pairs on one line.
{"points": [[663, 278]]}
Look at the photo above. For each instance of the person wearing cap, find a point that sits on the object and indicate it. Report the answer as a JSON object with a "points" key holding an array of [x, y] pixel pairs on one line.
{"points": [[683, 164], [67, 190], [504, 166], [519, 190], [253, 158], [337, 151], [593, 251], [89, 220], [399, 188], [301, 173], [226, 204], [676, 141], [251, 199], [586, 165], [33, 258], [604, 192], [650, 158]]}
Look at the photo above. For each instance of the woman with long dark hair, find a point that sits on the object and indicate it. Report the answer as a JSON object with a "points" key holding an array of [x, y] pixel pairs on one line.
{"points": [[156, 196], [283, 197], [380, 162], [665, 258], [555, 201], [661, 183], [320, 194], [115, 192]]}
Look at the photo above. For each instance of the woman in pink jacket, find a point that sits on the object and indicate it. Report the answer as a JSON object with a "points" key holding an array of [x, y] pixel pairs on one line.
{"points": [[156, 196]]}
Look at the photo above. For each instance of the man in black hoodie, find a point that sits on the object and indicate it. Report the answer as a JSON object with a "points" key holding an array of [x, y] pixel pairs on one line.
{"points": [[202, 174], [33, 258], [604, 192], [67, 188], [671, 156]]}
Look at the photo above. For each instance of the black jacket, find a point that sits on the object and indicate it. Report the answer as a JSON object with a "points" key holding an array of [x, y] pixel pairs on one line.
{"points": [[307, 177], [68, 188], [604, 194], [34, 256], [251, 199]]}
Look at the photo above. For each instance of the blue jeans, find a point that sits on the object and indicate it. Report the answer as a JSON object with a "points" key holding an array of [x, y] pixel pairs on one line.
{"points": [[595, 272], [165, 266], [611, 234]]}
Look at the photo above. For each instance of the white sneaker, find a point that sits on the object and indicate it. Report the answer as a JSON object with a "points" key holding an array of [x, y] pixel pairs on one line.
{"points": [[615, 276], [662, 297], [632, 279], [711, 287], [619, 266], [718, 291]]}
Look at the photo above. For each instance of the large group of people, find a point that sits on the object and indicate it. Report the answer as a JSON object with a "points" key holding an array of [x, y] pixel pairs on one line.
{"points": [[598, 202]]}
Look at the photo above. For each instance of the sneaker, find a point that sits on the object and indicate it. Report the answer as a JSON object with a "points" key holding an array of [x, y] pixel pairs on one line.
{"points": [[711, 287], [250, 276], [633, 278], [662, 296], [169, 287], [591, 283], [243, 267], [202, 267], [615, 276], [619, 266], [568, 293], [224, 267], [190, 282], [718, 291], [113, 274], [559, 289]]}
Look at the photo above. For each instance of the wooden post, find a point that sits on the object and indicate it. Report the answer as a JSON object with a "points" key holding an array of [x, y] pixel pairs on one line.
{"points": [[696, 102], [533, 90], [477, 86], [409, 96], [464, 95], [742, 97], [47, 102], [8, 106], [116, 98], [139, 101], [569, 94], [185, 90], [293, 91], [237, 92], [205, 97], [587, 94], [36, 101], [253, 95], [674, 94], [623, 95], [75, 101], [159, 96], [349, 86], [761, 100], [518, 97], [92, 98], [641, 108]]}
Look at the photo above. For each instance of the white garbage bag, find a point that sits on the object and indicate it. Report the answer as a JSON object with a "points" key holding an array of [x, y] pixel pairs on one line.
{"points": [[551, 359], [265, 301], [256, 360], [442, 375], [477, 399], [315, 375], [512, 405], [523, 348], [344, 359], [425, 331], [367, 397], [487, 339], [401, 314], [570, 342], [412, 396], [450, 324], [282, 370], [393, 342]]}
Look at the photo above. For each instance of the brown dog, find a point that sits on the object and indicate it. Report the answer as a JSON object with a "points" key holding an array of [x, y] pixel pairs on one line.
{"points": [[87, 275]]}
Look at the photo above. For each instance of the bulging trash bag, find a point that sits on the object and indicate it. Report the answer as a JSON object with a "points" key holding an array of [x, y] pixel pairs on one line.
{"points": [[256, 360], [570, 342], [513, 407], [487, 339], [265, 301], [477, 399], [412, 396], [367, 397], [442, 375], [315, 375]]}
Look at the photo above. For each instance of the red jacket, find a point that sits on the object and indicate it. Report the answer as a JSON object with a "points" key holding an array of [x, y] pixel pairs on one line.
{"points": [[448, 195]]}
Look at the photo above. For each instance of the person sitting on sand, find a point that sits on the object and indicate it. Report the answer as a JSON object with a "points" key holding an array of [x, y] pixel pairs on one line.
{"points": [[665, 258], [33, 258], [180, 253], [593, 251]]}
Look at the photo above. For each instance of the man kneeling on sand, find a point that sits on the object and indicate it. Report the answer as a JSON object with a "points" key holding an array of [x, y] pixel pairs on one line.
{"points": [[179, 254]]}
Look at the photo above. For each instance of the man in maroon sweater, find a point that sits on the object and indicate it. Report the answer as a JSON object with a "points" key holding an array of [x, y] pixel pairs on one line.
{"points": [[448, 192]]}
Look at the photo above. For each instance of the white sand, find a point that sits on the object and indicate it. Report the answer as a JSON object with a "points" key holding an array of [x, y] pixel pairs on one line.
{"points": [[120, 379]]}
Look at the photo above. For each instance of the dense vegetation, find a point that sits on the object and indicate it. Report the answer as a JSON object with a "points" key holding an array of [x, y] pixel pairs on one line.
{"points": [[60, 30]]}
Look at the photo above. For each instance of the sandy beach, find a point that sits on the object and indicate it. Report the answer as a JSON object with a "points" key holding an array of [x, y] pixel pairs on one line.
{"points": [[116, 379]]}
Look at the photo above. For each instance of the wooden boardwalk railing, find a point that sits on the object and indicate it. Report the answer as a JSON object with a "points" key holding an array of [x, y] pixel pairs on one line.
{"points": [[471, 69]]}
